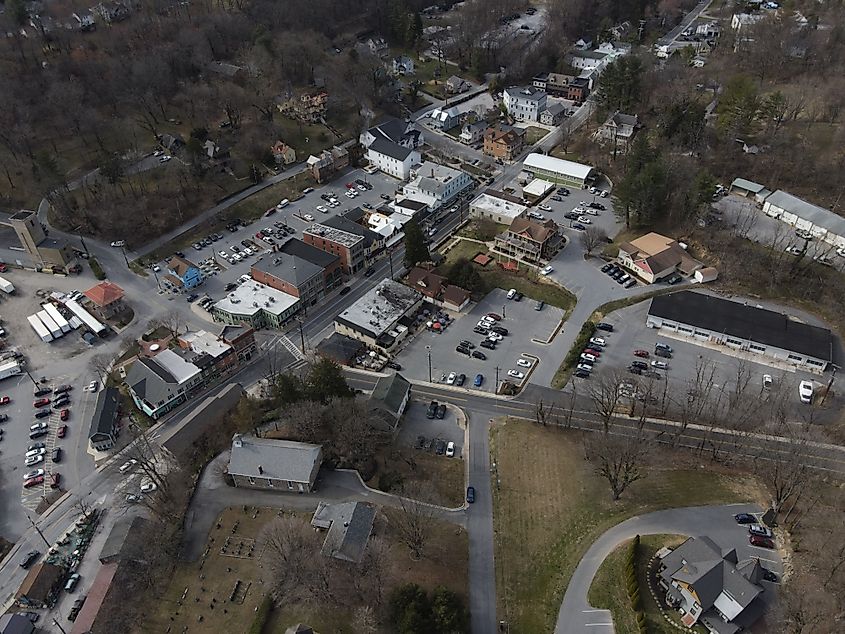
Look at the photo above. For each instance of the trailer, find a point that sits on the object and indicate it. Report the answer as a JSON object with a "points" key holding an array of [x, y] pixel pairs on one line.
{"points": [[40, 329], [56, 316], [11, 368], [51, 325], [85, 317], [6, 286]]}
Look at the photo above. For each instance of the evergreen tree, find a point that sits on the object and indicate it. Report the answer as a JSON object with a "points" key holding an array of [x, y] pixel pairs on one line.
{"points": [[416, 250], [464, 274], [448, 612], [288, 389], [325, 381]]}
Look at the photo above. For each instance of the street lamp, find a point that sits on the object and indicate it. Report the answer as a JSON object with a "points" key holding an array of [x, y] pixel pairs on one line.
{"points": [[428, 349], [503, 311]]}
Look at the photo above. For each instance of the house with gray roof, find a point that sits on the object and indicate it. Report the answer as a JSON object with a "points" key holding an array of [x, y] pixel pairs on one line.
{"points": [[389, 399], [619, 129], [290, 274], [160, 383], [349, 525], [524, 103], [103, 431], [392, 158], [268, 463], [710, 587]]}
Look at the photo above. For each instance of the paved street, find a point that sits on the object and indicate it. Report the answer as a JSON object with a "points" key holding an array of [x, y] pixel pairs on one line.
{"points": [[577, 615]]}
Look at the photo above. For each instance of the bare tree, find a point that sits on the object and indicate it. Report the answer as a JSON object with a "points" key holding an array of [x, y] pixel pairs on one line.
{"points": [[545, 414], [413, 522], [291, 549], [606, 396], [173, 321], [592, 238], [619, 459], [102, 365], [570, 405], [783, 466]]}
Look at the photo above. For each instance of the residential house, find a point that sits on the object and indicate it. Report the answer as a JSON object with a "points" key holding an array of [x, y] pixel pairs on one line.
{"points": [[524, 103], [619, 129], [388, 401], [455, 298], [750, 189], [621, 30], [328, 163], [708, 29], [105, 300], [741, 21], [653, 257], [503, 143], [283, 153], [402, 133], [402, 65], [213, 356], [160, 383], [578, 89], [215, 152], [553, 114], [348, 526], [472, 133], [709, 586], [111, 11], [347, 246], [188, 273], [392, 158], [309, 106], [291, 274], [329, 262], [455, 85], [377, 46], [104, 423], [560, 85], [529, 240], [256, 305], [584, 44], [382, 317], [268, 463], [437, 289], [497, 206], [242, 340], [437, 185], [444, 118], [41, 586], [170, 142], [586, 60], [85, 20]]}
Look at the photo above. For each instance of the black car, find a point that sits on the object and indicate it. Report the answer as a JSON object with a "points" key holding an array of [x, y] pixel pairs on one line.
{"points": [[420, 442], [639, 364], [582, 374], [181, 254], [518, 297], [467, 344], [463, 350], [325, 197], [606, 267], [571, 215], [191, 298], [660, 352], [768, 575], [501, 330], [345, 290], [596, 206], [439, 447], [490, 345], [384, 197], [470, 495], [56, 456], [4, 418], [563, 191], [674, 279], [603, 325], [30, 558], [393, 365], [477, 354], [441, 411], [578, 226], [431, 412], [38, 433], [63, 388], [42, 413], [479, 330], [745, 518], [460, 379], [630, 283], [634, 370], [369, 272], [42, 391]]}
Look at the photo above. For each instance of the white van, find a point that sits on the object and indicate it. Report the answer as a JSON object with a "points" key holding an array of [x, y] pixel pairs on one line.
{"points": [[283, 203]]}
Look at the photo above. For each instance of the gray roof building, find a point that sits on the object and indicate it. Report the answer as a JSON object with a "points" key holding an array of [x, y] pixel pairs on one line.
{"points": [[12, 623], [116, 546], [156, 382], [295, 246], [806, 211], [390, 398], [349, 526], [345, 223], [380, 309], [105, 417], [526, 93], [389, 148], [293, 269], [267, 462]]}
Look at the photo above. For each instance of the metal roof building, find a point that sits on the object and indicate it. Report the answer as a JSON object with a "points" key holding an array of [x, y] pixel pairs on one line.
{"points": [[558, 170], [794, 211]]}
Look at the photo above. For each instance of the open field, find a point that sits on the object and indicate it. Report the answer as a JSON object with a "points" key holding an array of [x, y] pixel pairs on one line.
{"points": [[552, 506], [200, 591], [442, 477], [533, 134]]}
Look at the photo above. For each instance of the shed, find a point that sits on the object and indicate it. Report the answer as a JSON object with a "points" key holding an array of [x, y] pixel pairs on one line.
{"points": [[707, 274]]}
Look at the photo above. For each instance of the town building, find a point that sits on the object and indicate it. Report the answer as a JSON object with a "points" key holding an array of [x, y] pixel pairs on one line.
{"points": [[392, 158], [283, 153], [348, 526], [796, 212], [213, 356], [586, 60], [348, 247], [290, 274], [524, 103], [444, 118], [559, 85], [41, 586], [504, 143], [104, 428], [268, 463], [710, 586], [324, 166], [242, 340], [256, 305], [160, 383], [389, 400], [750, 189], [497, 206], [743, 327], [529, 240], [553, 114], [341, 349], [42, 250], [188, 273], [654, 257], [472, 133], [437, 289], [354, 221], [402, 133], [105, 300], [328, 262], [436, 185], [455, 85], [381, 318], [619, 129], [558, 171]]}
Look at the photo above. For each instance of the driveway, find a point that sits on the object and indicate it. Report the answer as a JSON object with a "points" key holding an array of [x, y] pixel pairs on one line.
{"points": [[577, 615]]}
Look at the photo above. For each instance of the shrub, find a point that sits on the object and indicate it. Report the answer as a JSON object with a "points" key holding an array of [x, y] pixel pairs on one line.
{"points": [[587, 331], [96, 269], [261, 616]]}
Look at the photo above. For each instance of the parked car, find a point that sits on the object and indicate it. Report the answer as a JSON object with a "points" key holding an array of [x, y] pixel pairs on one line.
{"points": [[762, 542], [769, 575], [525, 363], [584, 367], [582, 374], [660, 352], [461, 349], [546, 270], [450, 380], [431, 412], [126, 466], [393, 365], [450, 449], [486, 343], [477, 354], [602, 325], [29, 558], [759, 529], [441, 411], [479, 379], [56, 455], [588, 357], [42, 391], [516, 374], [61, 432], [42, 413], [660, 365], [41, 402], [148, 487], [499, 330], [767, 381], [642, 365], [460, 379], [805, 391], [598, 341]]}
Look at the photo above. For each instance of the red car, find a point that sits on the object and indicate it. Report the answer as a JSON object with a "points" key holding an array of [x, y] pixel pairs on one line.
{"points": [[41, 402], [28, 484], [762, 542], [495, 316], [259, 235], [5, 400], [55, 478], [65, 414], [350, 186], [641, 353], [62, 432], [593, 351]]}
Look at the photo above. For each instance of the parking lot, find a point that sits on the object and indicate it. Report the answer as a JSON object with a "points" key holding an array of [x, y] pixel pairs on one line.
{"points": [[282, 224], [524, 325], [430, 435], [688, 361]]}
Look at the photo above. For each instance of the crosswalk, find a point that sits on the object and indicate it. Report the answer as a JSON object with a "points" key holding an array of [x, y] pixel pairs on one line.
{"points": [[286, 343]]}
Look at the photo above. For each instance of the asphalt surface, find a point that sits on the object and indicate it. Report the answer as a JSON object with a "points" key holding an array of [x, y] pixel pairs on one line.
{"points": [[577, 615]]}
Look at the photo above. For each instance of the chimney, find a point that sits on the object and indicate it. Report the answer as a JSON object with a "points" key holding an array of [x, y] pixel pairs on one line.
{"points": [[260, 470]]}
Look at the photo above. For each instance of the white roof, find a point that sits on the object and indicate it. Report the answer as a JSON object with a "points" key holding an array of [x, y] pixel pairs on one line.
{"points": [[177, 366], [538, 187], [204, 341], [560, 166], [748, 185], [251, 296], [494, 204], [819, 216]]}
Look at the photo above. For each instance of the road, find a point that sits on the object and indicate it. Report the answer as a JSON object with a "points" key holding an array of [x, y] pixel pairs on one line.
{"points": [[577, 615], [689, 18]]}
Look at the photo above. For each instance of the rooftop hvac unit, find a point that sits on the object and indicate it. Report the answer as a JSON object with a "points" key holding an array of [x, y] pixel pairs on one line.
{"points": [[272, 299], [255, 304]]}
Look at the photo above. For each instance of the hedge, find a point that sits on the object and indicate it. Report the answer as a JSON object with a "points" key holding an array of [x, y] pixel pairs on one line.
{"points": [[261, 616], [588, 329], [96, 269]]}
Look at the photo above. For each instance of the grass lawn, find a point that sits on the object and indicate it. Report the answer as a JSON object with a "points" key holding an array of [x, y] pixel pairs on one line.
{"points": [[443, 477], [195, 584], [534, 134], [484, 230], [608, 591], [552, 506]]}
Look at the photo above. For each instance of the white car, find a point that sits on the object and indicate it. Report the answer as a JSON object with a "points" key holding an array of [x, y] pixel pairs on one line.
{"points": [[244, 278], [660, 365], [512, 293], [361, 188], [126, 466], [495, 336], [579, 210], [322, 209], [488, 319], [33, 460], [591, 212], [308, 217], [767, 381], [155, 268], [793, 250], [40, 451], [92, 386], [450, 380], [334, 202], [484, 325], [223, 255], [516, 374], [546, 270], [165, 158], [598, 341], [805, 391], [603, 194], [38, 426], [148, 487], [588, 357], [840, 252], [450, 449], [119, 243], [593, 190], [237, 257], [544, 207], [33, 474], [525, 363], [584, 367], [584, 220]]}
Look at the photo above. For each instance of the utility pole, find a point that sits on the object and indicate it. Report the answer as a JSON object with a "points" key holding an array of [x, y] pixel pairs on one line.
{"points": [[38, 530], [829, 385], [301, 335], [34, 382], [390, 261], [428, 349], [123, 251], [496, 387], [61, 629]]}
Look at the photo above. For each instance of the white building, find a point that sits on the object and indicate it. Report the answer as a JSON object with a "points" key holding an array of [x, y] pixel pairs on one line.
{"points": [[436, 185], [822, 223], [497, 206], [558, 170], [525, 103], [392, 158], [587, 60], [741, 21], [255, 304]]}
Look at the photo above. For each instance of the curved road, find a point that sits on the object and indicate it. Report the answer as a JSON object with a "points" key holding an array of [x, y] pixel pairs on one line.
{"points": [[577, 615]]}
